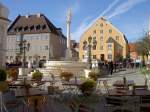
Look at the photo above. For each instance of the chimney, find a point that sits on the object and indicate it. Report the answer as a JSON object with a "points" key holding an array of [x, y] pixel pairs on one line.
{"points": [[38, 15]]}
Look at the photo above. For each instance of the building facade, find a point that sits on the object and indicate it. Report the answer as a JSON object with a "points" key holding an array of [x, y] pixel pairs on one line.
{"points": [[46, 42], [133, 53], [106, 41], [3, 31]]}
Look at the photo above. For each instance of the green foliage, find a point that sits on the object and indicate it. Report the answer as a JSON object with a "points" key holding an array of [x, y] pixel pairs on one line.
{"points": [[88, 87], [145, 71], [13, 73], [3, 75], [37, 75], [93, 75], [66, 75]]}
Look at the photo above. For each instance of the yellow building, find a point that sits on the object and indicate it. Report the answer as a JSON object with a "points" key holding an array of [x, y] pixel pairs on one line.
{"points": [[107, 42]]}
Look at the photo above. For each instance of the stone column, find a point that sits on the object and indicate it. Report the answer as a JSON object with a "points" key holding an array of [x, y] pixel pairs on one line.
{"points": [[68, 28]]}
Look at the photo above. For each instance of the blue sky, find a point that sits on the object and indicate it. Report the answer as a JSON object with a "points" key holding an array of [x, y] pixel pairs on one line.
{"points": [[130, 16]]}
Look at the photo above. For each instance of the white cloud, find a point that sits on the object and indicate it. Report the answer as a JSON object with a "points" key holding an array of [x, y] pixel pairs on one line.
{"points": [[124, 7], [109, 8], [76, 35], [86, 24]]}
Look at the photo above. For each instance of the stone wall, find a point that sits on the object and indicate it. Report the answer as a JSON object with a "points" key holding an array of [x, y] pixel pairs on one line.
{"points": [[3, 29]]}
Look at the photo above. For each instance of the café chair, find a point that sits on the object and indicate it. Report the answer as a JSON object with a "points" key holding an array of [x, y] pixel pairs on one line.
{"points": [[105, 83], [77, 107], [118, 104], [145, 104], [140, 87], [122, 90]]}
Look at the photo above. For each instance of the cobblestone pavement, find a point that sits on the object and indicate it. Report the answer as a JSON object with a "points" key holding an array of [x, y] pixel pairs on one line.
{"points": [[130, 74]]}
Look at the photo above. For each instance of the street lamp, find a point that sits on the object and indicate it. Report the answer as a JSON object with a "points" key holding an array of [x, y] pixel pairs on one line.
{"points": [[23, 47]]}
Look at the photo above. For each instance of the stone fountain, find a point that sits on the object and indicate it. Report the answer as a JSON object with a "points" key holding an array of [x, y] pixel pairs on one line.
{"points": [[68, 64]]}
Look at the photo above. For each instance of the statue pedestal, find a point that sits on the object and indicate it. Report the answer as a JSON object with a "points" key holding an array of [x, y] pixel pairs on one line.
{"points": [[68, 55]]}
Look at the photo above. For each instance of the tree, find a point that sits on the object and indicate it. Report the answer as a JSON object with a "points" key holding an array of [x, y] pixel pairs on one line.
{"points": [[143, 46]]}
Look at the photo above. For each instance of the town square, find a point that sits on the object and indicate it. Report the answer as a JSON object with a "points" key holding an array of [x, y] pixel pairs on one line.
{"points": [[74, 56]]}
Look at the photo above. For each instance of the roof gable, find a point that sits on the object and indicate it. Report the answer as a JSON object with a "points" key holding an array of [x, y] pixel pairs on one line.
{"points": [[32, 24]]}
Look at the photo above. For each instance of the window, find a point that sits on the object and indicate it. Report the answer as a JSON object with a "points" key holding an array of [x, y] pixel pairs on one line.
{"points": [[101, 47], [94, 38], [94, 32], [82, 56], [26, 28], [44, 57], [6, 57], [109, 46], [32, 27], [94, 56], [44, 27], [101, 38], [11, 57], [39, 57], [85, 42], [38, 27], [101, 31], [84, 47], [46, 47], [94, 47], [18, 38], [110, 56], [101, 25], [16, 29], [117, 37], [110, 30], [20, 29]]}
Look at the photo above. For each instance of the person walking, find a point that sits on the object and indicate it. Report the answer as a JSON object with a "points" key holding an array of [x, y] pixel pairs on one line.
{"points": [[111, 67]]}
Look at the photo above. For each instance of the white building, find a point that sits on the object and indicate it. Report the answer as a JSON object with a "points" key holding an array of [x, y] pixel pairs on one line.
{"points": [[46, 41]]}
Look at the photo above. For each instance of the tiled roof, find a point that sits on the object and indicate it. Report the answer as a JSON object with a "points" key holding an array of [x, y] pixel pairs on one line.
{"points": [[132, 47], [32, 24]]}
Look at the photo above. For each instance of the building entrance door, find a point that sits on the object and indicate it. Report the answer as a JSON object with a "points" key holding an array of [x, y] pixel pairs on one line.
{"points": [[102, 57]]}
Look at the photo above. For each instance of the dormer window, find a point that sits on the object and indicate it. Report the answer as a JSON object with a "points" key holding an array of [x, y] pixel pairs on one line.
{"points": [[44, 27], [38, 27], [32, 27], [16, 29], [20, 29], [26, 28]]}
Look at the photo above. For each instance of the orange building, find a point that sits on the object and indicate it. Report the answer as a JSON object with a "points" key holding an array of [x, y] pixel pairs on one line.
{"points": [[132, 50]]}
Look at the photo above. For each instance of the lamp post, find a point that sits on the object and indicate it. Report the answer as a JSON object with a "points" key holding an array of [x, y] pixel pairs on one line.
{"points": [[89, 53], [23, 46]]}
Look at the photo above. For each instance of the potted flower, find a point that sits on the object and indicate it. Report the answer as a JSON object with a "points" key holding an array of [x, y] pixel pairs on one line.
{"points": [[93, 75], [13, 73], [66, 75], [88, 87], [3, 83], [37, 76]]}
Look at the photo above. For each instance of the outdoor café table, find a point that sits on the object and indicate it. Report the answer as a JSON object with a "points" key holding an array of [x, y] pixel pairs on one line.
{"points": [[121, 83], [72, 85], [114, 92], [31, 93]]}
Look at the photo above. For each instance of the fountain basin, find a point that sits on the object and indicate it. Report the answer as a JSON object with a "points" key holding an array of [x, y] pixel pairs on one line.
{"points": [[56, 67]]}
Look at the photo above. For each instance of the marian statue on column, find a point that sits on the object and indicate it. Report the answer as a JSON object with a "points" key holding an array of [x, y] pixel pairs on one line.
{"points": [[69, 14]]}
